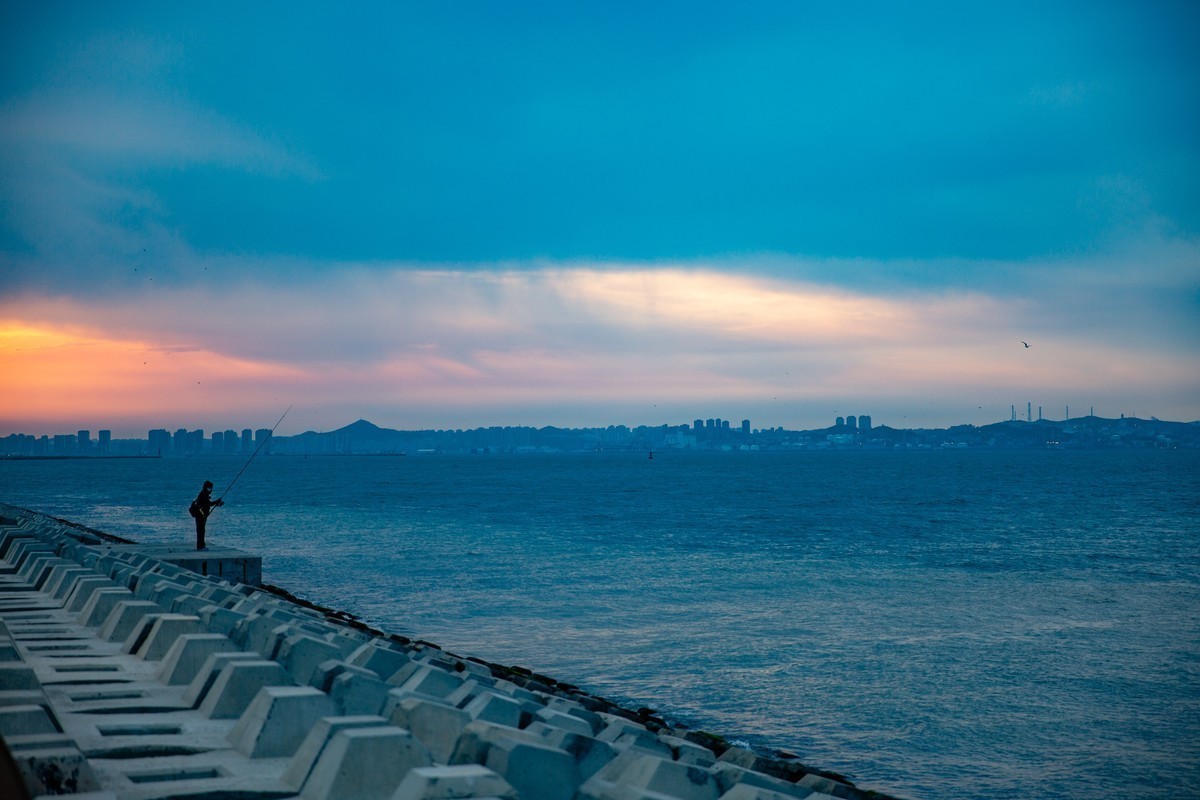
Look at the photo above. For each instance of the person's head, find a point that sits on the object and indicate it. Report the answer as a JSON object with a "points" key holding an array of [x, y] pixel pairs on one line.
{"points": [[208, 485]]}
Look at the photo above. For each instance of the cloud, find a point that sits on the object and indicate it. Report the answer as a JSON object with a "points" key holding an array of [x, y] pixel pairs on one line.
{"points": [[73, 164], [558, 339]]}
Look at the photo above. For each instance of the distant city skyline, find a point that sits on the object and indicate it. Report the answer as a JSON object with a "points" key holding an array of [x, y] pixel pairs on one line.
{"points": [[541, 213], [865, 421]]}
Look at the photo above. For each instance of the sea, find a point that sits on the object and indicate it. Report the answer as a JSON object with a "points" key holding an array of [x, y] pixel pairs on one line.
{"points": [[932, 624]]}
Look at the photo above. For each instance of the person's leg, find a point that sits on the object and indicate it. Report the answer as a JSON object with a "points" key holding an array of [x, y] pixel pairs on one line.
{"points": [[200, 532]]}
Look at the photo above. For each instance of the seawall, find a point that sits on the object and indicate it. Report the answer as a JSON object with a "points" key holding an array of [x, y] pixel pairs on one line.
{"points": [[142, 672]]}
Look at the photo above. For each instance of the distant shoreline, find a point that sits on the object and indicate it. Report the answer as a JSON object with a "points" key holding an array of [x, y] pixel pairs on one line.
{"points": [[67, 458]]}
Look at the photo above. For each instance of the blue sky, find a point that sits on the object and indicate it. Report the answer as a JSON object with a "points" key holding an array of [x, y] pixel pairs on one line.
{"points": [[442, 215]]}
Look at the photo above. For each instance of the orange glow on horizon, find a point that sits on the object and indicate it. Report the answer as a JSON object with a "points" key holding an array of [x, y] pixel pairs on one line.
{"points": [[59, 373]]}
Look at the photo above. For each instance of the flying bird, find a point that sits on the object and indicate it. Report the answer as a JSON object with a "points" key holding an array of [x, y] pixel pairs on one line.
{"points": [[1026, 345]]}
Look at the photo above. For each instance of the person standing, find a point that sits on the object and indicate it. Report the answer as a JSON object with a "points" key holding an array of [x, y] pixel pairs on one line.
{"points": [[201, 507]]}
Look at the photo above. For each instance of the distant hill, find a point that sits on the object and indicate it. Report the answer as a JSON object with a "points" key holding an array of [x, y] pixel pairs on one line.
{"points": [[364, 428]]}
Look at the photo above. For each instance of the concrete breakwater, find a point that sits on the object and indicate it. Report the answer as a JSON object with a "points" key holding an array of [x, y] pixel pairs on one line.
{"points": [[131, 672]]}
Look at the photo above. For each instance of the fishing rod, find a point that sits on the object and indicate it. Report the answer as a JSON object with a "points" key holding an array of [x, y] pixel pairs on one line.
{"points": [[255, 453]]}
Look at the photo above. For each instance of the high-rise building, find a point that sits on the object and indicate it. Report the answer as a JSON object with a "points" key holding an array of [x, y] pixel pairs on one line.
{"points": [[104, 442], [247, 441], [864, 422], [159, 442], [840, 422], [745, 427], [852, 422], [83, 442]]}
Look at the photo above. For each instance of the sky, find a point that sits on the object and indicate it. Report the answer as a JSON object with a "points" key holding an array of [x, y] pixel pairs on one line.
{"points": [[461, 214]]}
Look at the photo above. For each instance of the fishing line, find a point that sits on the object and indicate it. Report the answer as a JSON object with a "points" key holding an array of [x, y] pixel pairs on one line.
{"points": [[255, 453]]}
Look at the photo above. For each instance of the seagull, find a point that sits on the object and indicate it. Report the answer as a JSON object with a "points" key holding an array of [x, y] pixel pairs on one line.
{"points": [[1026, 345]]}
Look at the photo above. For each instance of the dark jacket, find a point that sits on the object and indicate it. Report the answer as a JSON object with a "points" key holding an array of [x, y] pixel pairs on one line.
{"points": [[204, 504]]}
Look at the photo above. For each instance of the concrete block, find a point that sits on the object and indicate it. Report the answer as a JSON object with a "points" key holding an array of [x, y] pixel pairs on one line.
{"points": [[262, 634], [730, 777], [63, 573], [221, 595], [188, 654], [141, 629], [221, 620], [200, 686], [125, 616], [309, 752], [746, 791], [163, 633], [191, 604], [278, 719], [437, 725], [641, 771], [827, 786], [9, 538], [322, 677], [101, 604], [590, 754], [301, 654], [26, 720], [19, 677], [23, 549], [495, 708], [364, 764], [472, 687], [55, 770], [38, 568], [429, 681], [380, 659], [464, 780], [686, 752], [536, 770], [624, 734], [149, 582], [81, 592], [165, 594], [355, 693], [566, 722], [237, 684], [125, 575]]}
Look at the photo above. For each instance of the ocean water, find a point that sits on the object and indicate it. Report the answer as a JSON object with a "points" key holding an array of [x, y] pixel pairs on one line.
{"points": [[931, 624]]}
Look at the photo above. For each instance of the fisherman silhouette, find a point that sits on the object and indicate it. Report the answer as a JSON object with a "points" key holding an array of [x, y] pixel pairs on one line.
{"points": [[200, 508]]}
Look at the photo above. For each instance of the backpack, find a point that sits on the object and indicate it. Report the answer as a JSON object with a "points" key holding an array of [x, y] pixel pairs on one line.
{"points": [[194, 509]]}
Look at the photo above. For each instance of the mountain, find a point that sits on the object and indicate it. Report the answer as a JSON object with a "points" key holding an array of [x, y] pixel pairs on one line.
{"points": [[364, 428]]}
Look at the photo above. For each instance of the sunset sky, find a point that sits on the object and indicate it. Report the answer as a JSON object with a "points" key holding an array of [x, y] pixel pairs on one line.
{"points": [[447, 215]]}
